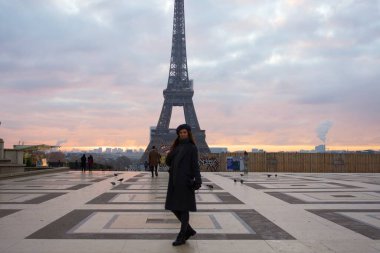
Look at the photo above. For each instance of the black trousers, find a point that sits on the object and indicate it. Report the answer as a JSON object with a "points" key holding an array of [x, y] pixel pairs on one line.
{"points": [[183, 217], [153, 169]]}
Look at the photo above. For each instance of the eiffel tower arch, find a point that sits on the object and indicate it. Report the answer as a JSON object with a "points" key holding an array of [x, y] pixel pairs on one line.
{"points": [[179, 92]]}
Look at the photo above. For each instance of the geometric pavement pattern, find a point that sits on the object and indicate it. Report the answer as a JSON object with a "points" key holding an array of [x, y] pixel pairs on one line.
{"points": [[288, 213]]}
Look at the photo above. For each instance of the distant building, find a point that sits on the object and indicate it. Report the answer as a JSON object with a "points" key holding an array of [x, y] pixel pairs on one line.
{"points": [[256, 150], [368, 151], [218, 150], [97, 150], [320, 148], [117, 150], [108, 150]]}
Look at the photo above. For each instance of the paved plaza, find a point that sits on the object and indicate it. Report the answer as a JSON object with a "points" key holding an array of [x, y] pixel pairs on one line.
{"points": [[75, 212]]}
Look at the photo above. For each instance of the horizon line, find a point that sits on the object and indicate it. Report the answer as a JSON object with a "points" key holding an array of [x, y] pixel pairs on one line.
{"points": [[234, 148]]}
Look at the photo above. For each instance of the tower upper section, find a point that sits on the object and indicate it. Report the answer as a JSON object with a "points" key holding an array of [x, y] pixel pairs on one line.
{"points": [[178, 73]]}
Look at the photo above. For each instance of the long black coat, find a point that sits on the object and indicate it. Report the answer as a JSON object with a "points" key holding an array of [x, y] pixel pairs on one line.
{"points": [[184, 167]]}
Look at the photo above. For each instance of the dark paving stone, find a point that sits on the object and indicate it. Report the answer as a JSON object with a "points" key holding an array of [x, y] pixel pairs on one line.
{"points": [[354, 225], [338, 186], [164, 179], [74, 187], [78, 186], [38, 200], [293, 200], [160, 221], [98, 180], [6, 212], [274, 180], [62, 179], [105, 198], [133, 179], [127, 186], [264, 228]]}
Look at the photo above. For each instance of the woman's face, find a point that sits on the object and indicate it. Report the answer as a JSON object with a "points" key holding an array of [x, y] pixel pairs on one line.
{"points": [[183, 134]]}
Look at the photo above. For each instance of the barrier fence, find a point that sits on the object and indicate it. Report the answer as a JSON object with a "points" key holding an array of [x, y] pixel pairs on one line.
{"points": [[297, 162]]}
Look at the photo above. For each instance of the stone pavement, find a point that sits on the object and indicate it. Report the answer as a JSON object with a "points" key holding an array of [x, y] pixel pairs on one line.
{"points": [[76, 212]]}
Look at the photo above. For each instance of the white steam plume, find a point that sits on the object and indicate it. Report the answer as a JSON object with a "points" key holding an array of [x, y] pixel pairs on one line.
{"points": [[323, 129]]}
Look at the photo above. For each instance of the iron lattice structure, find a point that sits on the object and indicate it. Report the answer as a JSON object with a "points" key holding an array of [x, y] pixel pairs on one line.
{"points": [[179, 92]]}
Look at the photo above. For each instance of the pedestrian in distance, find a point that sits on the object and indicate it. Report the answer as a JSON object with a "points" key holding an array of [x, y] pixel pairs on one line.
{"points": [[184, 180], [245, 160], [90, 160], [83, 163], [154, 159]]}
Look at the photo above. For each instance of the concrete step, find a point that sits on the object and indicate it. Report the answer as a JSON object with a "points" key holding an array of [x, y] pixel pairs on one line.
{"points": [[11, 165], [11, 168]]}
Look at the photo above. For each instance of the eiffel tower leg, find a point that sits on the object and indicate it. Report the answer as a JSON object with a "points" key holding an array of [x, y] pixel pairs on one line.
{"points": [[166, 113], [190, 115]]}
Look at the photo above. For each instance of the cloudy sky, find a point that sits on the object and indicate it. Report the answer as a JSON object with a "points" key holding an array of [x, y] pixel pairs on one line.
{"points": [[279, 74]]}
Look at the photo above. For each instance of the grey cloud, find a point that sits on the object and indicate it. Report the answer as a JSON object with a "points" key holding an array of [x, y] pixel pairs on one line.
{"points": [[112, 59]]}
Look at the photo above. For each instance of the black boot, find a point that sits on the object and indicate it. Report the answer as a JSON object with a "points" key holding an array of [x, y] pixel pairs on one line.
{"points": [[190, 232], [180, 239]]}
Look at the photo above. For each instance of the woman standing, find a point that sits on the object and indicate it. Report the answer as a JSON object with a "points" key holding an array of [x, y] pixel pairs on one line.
{"points": [[90, 162], [184, 179]]}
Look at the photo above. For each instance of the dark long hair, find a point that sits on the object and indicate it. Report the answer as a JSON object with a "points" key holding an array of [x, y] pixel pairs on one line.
{"points": [[176, 141]]}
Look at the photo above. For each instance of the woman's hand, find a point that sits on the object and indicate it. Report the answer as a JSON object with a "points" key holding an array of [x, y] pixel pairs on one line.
{"points": [[197, 185], [169, 158]]}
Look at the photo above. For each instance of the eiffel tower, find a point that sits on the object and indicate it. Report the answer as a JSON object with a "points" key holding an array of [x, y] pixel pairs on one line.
{"points": [[179, 92]]}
